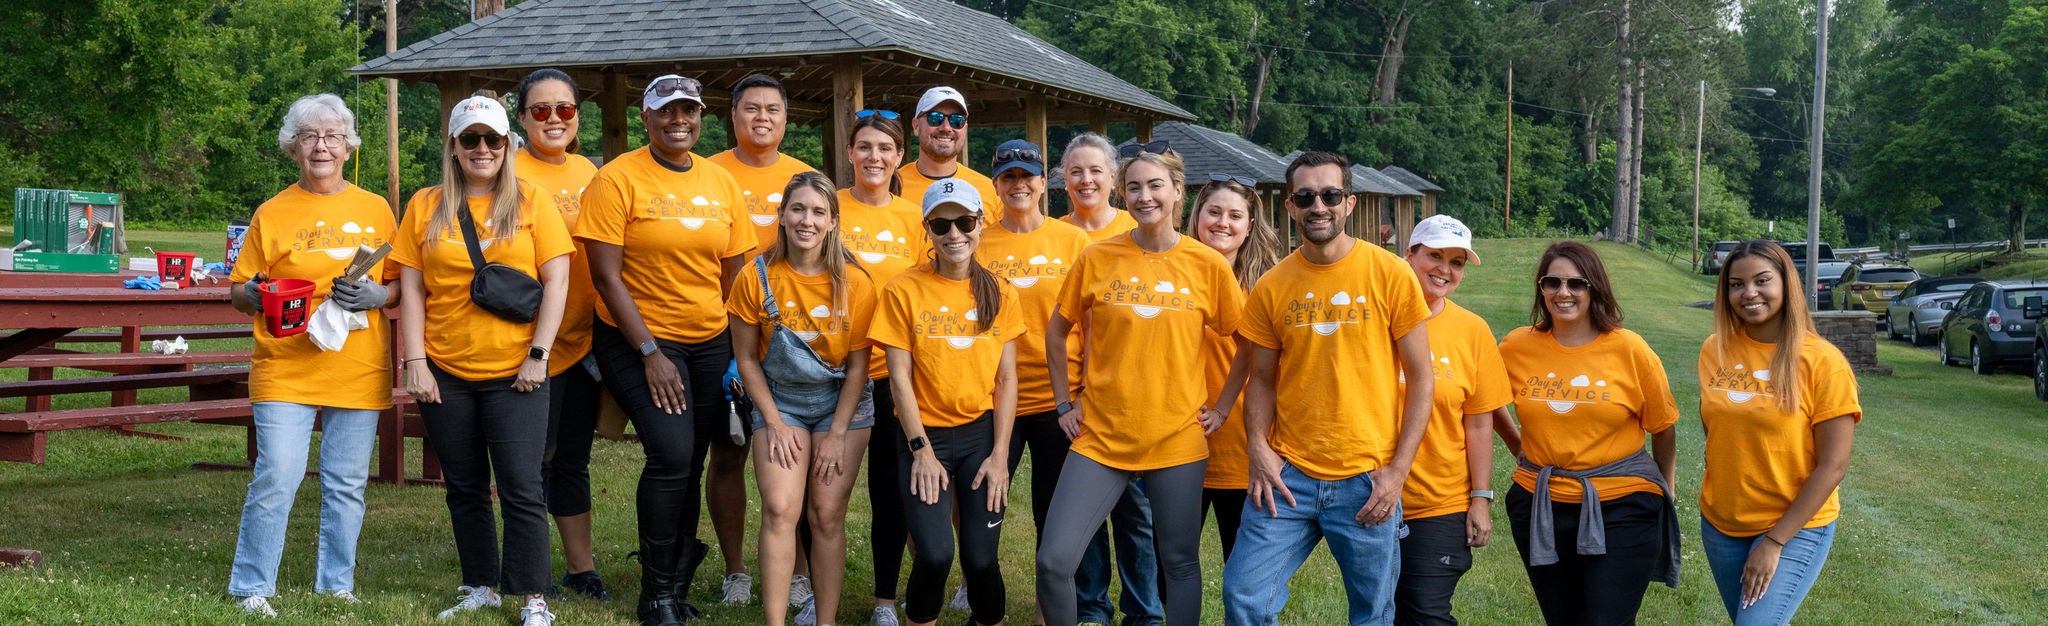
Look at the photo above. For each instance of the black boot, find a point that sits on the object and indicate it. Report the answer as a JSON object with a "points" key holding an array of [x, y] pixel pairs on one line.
{"points": [[693, 554], [658, 603]]}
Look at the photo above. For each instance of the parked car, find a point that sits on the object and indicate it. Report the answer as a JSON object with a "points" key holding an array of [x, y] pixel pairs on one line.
{"points": [[1992, 324], [1915, 314], [1798, 251], [1830, 271], [2041, 358], [1718, 256], [1867, 286]]}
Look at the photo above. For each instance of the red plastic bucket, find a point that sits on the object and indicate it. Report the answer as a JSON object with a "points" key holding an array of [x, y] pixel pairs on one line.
{"points": [[287, 305], [175, 267]]}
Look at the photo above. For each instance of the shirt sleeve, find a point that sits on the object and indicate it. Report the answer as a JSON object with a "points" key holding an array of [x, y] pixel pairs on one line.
{"points": [[550, 233], [1074, 297], [1402, 291], [1829, 389], [1257, 323], [1489, 372], [745, 300], [1010, 322], [893, 316], [860, 313], [406, 248], [605, 210], [1229, 302], [1659, 411]]}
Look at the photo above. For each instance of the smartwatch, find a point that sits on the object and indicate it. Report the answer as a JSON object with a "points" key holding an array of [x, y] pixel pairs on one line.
{"points": [[916, 443], [648, 348], [537, 353], [1063, 407]]}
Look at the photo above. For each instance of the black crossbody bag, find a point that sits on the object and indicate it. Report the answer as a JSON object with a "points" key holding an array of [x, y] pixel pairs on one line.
{"points": [[498, 288]]}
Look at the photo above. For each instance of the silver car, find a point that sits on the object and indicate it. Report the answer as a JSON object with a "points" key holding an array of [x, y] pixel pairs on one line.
{"points": [[1915, 314]]}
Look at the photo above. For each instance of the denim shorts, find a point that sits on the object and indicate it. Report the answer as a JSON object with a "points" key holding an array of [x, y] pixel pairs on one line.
{"points": [[863, 416]]}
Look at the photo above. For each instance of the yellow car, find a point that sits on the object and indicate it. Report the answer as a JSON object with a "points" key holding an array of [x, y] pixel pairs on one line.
{"points": [[1869, 287]]}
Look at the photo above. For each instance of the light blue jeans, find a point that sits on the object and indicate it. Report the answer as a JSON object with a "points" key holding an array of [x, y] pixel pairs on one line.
{"points": [[1271, 548], [1798, 565], [283, 433]]}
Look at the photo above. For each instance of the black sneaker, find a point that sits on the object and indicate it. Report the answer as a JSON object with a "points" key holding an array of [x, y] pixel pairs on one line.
{"points": [[586, 583]]}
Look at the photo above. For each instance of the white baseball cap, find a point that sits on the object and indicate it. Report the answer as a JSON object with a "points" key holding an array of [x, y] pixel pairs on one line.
{"points": [[946, 191], [670, 88], [479, 110], [936, 95], [1443, 231]]}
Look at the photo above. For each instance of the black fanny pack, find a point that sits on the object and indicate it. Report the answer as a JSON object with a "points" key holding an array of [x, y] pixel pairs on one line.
{"points": [[498, 288]]}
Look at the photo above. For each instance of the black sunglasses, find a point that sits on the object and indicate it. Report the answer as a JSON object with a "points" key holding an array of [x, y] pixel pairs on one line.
{"points": [[1306, 199], [867, 113], [1018, 154], [1551, 284], [468, 141], [669, 86], [1132, 150], [1217, 177], [542, 112], [937, 118], [941, 227]]}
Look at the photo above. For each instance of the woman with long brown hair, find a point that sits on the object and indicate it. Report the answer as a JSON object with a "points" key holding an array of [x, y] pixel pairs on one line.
{"points": [[1229, 219]]}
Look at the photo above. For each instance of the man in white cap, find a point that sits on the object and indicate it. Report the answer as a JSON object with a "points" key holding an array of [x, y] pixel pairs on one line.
{"points": [[1330, 443], [941, 128]]}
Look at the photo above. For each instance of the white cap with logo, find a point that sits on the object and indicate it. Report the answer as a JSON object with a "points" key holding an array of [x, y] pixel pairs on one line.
{"points": [[1443, 231], [479, 110], [946, 191], [936, 95]]}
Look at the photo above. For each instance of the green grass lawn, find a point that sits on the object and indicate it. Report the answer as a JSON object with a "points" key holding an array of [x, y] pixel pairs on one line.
{"points": [[2034, 265], [1942, 517]]}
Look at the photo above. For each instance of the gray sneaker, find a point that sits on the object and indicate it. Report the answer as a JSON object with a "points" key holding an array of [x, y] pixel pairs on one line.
{"points": [[535, 613], [799, 590], [808, 616], [739, 589], [256, 605], [473, 598], [960, 599], [886, 616], [346, 596]]}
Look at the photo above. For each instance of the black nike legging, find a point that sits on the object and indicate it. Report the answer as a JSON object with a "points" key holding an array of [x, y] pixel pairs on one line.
{"points": [[961, 450]]}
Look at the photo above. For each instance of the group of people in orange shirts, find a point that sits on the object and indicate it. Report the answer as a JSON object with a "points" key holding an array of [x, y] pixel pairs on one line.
{"points": [[1156, 363]]}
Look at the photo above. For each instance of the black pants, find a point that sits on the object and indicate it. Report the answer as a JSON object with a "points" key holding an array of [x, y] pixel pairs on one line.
{"points": [[572, 426], [480, 429], [1229, 506], [1433, 557], [1041, 433], [961, 450], [670, 487], [1604, 589], [886, 529]]}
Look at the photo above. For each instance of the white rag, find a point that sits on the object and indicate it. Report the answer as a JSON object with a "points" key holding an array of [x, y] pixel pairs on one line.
{"points": [[331, 325]]}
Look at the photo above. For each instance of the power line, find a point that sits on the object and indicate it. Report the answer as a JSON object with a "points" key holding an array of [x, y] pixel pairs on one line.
{"points": [[1246, 42]]}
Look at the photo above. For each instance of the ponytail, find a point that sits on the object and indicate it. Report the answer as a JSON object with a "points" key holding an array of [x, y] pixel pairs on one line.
{"points": [[988, 295]]}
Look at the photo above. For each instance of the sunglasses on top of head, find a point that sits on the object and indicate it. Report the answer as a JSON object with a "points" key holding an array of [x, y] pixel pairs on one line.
{"points": [[867, 113], [1132, 150], [1551, 284], [941, 118], [1219, 177], [468, 141], [669, 86], [941, 226], [1027, 156], [1306, 198], [542, 112]]}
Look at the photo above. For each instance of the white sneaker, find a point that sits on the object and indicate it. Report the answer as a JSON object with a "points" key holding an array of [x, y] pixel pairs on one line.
{"points": [[256, 605], [808, 616], [739, 589], [886, 616], [960, 599], [799, 590], [347, 596], [473, 598], [535, 613]]}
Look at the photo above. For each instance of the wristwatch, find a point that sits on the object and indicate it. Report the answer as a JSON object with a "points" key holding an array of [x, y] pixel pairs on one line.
{"points": [[648, 348], [537, 353], [1483, 493], [1063, 407], [916, 443]]}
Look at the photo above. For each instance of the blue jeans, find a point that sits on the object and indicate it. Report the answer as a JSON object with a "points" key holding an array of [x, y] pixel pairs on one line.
{"points": [[1137, 564], [283, 432], [1798, 565], [1270, 549]]}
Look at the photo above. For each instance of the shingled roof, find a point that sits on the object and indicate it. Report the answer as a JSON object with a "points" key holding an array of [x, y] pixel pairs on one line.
{"points": [[920, 42], [1368, 180], [1204, 150], [1410, 179]]}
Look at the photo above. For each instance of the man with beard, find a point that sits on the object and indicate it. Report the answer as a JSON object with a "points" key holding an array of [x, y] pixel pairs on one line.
{"points": [[941, 128], [1329, 439]]}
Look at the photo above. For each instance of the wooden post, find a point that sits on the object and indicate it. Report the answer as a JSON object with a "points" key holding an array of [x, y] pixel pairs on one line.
{"points": [[391, 191], [846, 101], [1507, 209], [1404, 221], [1374, 207], [1098, 122], [1428, 205], [454, 89], [612, 100], [1034, 131], [1144, 134]]}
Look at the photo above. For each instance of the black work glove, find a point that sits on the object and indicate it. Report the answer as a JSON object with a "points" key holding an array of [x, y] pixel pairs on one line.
{"points": [[359, 296], [253, 292]]}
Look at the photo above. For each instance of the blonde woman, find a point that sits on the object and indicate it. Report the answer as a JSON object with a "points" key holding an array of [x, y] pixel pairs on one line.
{"points": [[1228, 218]]}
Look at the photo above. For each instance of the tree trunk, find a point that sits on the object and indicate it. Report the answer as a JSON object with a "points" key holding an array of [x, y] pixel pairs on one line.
{"points": [[1589, 132], [1251, 118], [487, 8], [1624, 119], [2016, 226], [1391, 55], [1635, 196]]}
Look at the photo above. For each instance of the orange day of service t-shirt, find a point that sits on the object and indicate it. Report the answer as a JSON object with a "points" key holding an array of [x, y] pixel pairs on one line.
{"points": [[1037, 263], [1337, 413], [675, 228], [954, 362], [566, 183], [1758, 456], [1469, 380], [886, 240], [915, 183], [1229, 466], [299, 234], [761, 192], [808, 308], [1146, 315], [462, 339], [1585, 407], [1122, 223]]}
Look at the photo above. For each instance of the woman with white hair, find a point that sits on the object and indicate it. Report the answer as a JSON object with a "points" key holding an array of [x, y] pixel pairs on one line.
{"points": [[310, 231]]}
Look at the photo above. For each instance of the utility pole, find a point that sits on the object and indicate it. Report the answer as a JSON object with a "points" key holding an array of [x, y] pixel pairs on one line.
{"points": [[1820, 100], [1507, 212], [391, 110], [1698, 142]]}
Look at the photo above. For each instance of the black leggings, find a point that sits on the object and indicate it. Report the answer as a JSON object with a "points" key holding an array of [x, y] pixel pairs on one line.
{"points": [[1590, 589], [1041, 432], [670, 491], [1229, 507], [886, 529], [572, 425], [484, 429], [961, 450], [1433, 557]]}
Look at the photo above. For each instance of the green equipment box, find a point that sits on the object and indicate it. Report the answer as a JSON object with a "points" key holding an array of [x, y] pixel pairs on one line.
{"points": [[55, 262], [58, 221]]}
